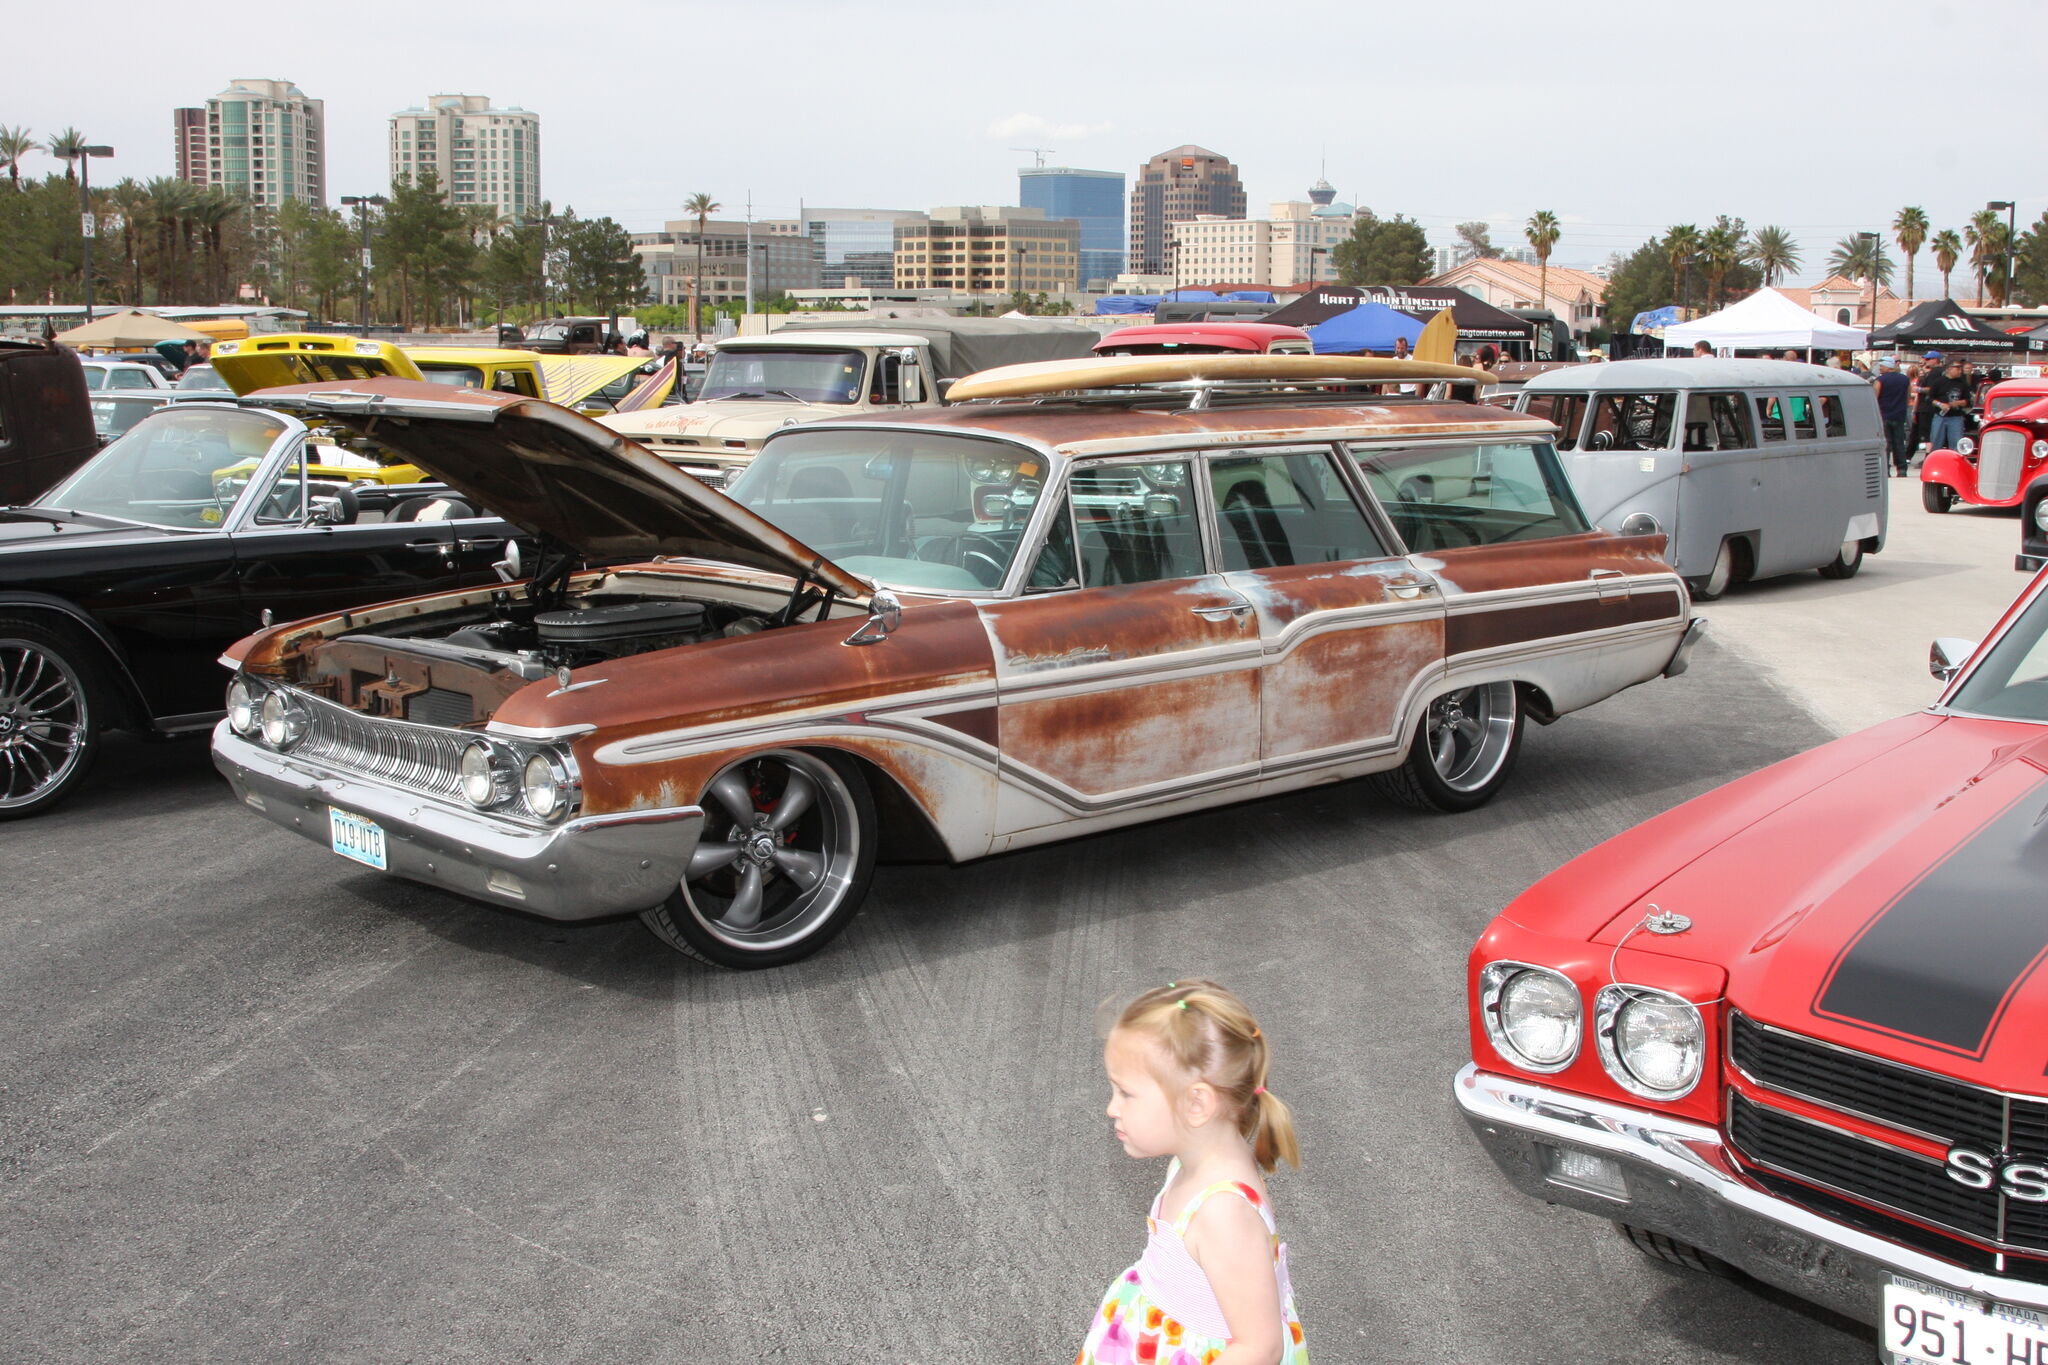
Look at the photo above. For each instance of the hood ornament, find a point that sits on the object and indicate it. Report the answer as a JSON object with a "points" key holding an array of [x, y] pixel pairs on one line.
{"points": [[1666, 922]]}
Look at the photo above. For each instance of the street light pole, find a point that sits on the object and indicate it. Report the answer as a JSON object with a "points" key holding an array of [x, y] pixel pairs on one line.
{"points": [[87, 227], [2011, 228], [362, 203]]}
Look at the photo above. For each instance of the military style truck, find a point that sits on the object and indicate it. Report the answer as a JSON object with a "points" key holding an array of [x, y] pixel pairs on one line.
{"points": [[811, 371]]}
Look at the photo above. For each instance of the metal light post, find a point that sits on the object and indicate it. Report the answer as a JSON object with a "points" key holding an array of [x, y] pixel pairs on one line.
{"points": [[86, 225], [1870, 238], [361, 203], [2011, 229]]}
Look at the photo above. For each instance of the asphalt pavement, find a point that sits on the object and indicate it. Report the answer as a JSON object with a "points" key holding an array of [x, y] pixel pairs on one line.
{"points": [[258, 1104]]}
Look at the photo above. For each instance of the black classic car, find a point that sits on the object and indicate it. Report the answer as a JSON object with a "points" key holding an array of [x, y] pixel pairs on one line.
{"points": [[120, 587]]}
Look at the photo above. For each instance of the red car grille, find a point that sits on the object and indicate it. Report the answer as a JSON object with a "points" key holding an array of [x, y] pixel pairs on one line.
{"points": [[1872, 1172]]}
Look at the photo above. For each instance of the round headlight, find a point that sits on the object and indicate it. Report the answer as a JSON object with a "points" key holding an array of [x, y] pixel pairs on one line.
{"points": [[483, 775], [2040, 450], [1651, 1042], [2041, 514], [1532, 1015], [283, 721], [541, 785], [1965, 446], [245, 702]]}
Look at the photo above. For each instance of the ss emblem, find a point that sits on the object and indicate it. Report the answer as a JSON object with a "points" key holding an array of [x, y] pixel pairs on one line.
{"points": [[2015, 1179]]}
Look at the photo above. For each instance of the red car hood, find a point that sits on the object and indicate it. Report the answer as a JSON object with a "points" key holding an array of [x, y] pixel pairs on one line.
{"points": [[1885, 892]]}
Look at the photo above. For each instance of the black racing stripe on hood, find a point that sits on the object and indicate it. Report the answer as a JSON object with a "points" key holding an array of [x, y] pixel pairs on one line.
{"points": [[1942, 960]]}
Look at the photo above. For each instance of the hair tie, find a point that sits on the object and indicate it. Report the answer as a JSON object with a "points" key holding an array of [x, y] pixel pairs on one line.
{"points": [[1183, 1004], [1260, 1091]]}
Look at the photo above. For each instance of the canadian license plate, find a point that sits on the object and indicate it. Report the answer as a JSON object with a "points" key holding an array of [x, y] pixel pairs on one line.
{"points": [[363, 840], [1924, 1325]]}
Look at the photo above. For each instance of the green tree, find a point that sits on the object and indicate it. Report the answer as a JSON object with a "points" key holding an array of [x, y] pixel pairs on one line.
{"points": [[1542, 231], [1720, 253], [509, 272], [1774, 252], [1986, 236], [1910, 230], [2030, 265], [1947, 249], [699, 206], [599, 268], [67, 147], [1681, 245], [1860, 257], [15, 143], [330, 257], [1478, 239], [1382, 251], [422, 256]]}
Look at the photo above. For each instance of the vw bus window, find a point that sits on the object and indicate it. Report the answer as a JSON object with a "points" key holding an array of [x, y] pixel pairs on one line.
{"points": [[1566, 410], [1456, 497], [1717, 421], [1802, 415], [1832, 419], [1632, 421], [1770, 414]]}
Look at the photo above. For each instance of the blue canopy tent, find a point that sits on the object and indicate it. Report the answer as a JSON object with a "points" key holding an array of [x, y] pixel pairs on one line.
{"points": [[1368, 327], [1116, 305], [1655, 320]]}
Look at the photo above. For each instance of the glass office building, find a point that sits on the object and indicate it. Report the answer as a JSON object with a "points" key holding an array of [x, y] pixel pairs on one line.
{"points": [[856, 243], [1095, 199]]}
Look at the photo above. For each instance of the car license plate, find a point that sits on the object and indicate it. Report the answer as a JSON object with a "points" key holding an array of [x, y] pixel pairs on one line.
{"points": [[357, 838], [1924, 1325]]}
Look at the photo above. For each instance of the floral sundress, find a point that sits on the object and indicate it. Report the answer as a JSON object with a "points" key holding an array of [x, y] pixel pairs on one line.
{"points": [[1162, 1311]]}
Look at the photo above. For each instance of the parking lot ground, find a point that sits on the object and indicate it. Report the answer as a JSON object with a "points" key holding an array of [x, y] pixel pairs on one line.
{"points": [[260, 1104]]}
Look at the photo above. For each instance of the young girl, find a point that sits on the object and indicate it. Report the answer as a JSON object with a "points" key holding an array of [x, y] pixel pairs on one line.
{"points": [[1187, 1078]]}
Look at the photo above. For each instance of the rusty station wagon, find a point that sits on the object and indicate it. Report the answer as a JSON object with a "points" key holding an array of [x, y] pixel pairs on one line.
{"points": [[955, 633]]}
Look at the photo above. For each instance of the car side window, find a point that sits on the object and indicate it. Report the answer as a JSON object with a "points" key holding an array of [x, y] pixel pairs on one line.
{"points": [[1632, 421], [1770, 414], [1135, 523], [1054, 568], [1451, 497], [1286, 508], [1833, 421], [1802, 415]]}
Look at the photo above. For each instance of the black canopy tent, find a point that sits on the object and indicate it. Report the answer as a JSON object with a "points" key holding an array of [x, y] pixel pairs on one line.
{"points": [[1477, 319], [1941, 325]]}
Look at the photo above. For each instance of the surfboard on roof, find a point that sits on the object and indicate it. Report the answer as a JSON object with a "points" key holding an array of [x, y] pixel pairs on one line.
{"points": [[1042, 377]]}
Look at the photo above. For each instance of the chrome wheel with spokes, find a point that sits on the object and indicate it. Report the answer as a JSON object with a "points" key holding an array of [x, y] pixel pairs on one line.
{"points": [[783, 861], [1463, 750], [47, 719]]}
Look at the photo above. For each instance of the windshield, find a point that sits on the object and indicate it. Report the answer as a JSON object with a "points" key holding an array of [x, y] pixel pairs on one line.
{"points": [[913, 510], [809, 376], [455, 376], [183, 468], [201, 377], [2011, 681], [112, 416], [548, 331]]}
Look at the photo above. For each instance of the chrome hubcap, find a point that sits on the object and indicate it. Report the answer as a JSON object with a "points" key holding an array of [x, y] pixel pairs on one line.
{"points": [[42, 722], [1469, 733], [777, 853]]}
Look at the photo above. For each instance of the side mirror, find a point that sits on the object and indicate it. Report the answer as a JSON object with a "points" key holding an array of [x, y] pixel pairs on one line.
{"points": [[1948, 655], [909, 375], [512, 567], [885, 613]]}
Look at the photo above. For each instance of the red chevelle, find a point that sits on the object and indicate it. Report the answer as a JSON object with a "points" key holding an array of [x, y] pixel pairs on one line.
{"points": [[1994, 467], [1797, 1024]]}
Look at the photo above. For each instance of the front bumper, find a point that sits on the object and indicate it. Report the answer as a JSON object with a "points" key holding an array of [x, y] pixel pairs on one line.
{"points": [[588, 868], [1681, 1182]]}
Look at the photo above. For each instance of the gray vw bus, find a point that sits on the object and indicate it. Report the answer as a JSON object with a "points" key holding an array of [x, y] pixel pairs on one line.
{"points": [[1754, 468]]}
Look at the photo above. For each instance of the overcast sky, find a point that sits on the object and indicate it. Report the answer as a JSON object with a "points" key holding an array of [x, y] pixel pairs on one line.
{"points": [[1620, 116]]}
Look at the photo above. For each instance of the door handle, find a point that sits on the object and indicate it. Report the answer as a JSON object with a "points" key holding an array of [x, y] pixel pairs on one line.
{"points": [[431, 547], [1409, 589], [1610, 582], [481, 543], [1237, 608]]}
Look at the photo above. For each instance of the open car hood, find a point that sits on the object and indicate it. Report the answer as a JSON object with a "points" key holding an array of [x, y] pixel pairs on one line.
{"points": [[558, 474]]}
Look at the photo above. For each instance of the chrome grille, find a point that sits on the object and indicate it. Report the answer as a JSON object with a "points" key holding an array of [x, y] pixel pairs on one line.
{"points": [[421, 758], [1999, 458]]}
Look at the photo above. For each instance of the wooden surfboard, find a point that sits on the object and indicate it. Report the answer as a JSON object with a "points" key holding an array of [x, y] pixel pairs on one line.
{"points": [[1122, 371]]}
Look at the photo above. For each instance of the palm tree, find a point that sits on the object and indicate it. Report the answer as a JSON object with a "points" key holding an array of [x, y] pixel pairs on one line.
{"points": [[1947, 249], [1542, 233], [1774, 252], [67, 147], [1721, 249], [212, 212], [15, 143], [1681, 244], [1982, 232], [1910, 228], [703, 206], [1861, 257], [131, 197], [170, 201]]}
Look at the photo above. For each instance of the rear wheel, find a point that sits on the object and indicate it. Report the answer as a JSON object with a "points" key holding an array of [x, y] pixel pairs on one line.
{"points": [[1463, 751], [783, 862], [1937, 497], [1846, 562], [1718, 578], [1671, 1251], [52, 708]]}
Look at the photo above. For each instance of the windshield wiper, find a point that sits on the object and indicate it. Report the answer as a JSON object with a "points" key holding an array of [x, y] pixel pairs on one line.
{"points": [[762, 393]]}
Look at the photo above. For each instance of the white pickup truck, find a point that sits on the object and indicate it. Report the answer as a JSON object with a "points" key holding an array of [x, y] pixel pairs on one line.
{"points": [[810, 371]]}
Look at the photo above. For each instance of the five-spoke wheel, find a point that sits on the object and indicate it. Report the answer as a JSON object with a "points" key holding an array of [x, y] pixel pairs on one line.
{"points": [[1463, 750], [785, 856], [48, 718]]}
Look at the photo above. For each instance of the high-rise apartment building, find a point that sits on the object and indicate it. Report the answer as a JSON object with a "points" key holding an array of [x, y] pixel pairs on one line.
{"points": [[265, 141], [188, 144], [1174, 187], [989, 249], [1094, 199], [479, 154]]}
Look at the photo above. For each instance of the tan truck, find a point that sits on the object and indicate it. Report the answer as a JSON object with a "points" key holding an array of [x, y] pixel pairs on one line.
{"points": [[812, 371]]}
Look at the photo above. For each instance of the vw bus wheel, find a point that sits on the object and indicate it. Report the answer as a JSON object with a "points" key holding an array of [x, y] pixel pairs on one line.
{"points": [[50, 717], [1718, 578], [783, 861], [1846, 562], [1937, 497], [1463, 750]]}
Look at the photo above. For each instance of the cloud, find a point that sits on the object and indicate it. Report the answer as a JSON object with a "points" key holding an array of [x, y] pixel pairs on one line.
{"points": [[1037, 125]]}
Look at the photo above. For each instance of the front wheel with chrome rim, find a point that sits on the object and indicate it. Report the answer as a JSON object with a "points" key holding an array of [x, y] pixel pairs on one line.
{"points": [[782, 863], [1463, 750], [50, 706]]}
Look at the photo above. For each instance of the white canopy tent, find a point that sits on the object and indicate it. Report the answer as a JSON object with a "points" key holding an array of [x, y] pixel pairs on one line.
{"points": [[1767, 319]]}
